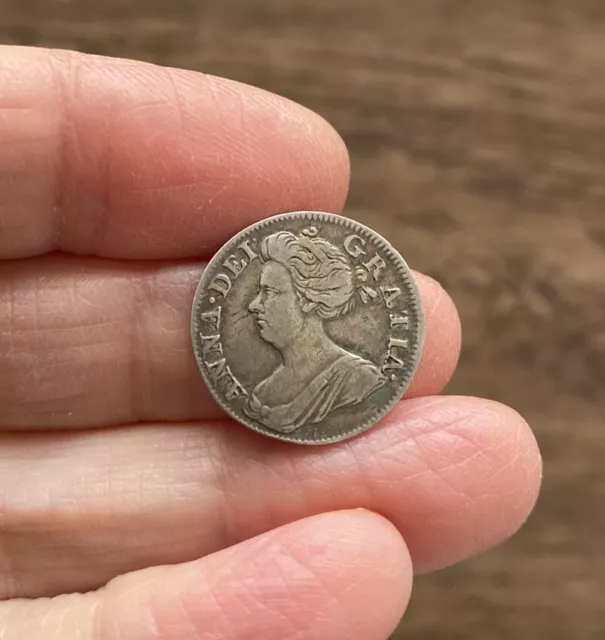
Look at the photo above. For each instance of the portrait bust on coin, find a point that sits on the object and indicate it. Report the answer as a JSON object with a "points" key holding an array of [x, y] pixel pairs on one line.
{"points": [[307, 327], [304, 281]]}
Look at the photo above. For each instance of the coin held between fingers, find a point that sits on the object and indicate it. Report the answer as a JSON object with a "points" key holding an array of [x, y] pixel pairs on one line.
{"points": [[307, 327]]}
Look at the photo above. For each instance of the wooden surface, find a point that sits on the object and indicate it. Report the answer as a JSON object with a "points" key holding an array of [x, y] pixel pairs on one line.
{"points": [[477, 136]]}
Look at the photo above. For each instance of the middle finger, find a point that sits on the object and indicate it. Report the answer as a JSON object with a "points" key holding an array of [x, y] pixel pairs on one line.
{"points": [[89, 343]]}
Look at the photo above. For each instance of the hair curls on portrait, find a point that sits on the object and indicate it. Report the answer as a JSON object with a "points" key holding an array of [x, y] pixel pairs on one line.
{"points": [[304, 281], [321, 274]]}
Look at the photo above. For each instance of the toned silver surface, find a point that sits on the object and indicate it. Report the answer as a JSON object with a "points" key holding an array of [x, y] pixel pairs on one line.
{"points": [[307, 327]]}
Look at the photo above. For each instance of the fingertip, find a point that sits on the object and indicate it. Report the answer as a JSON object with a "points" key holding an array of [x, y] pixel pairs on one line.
{"points": [[518, 468], [155, 162], [328, 155], [506, 493], [355, 555], [486, 469], [350, 569], [442, 342], [360, 558], [369, 539]]}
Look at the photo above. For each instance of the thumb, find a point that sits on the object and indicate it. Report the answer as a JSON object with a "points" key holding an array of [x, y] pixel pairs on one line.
{"points": [[343, 575]]}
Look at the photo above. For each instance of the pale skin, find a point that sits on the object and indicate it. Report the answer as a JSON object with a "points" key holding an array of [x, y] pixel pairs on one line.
{"points": [[117, 179]]}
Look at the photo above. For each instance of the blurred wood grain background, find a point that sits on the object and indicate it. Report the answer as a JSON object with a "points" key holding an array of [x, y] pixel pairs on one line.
{"points": [[477, 136]]}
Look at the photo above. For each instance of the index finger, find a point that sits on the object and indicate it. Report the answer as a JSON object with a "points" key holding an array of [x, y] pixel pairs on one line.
{"points": [[125, 159]]}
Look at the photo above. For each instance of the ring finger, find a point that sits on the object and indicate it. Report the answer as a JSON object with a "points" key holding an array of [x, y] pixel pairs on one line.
{"points": [[455, 475]]}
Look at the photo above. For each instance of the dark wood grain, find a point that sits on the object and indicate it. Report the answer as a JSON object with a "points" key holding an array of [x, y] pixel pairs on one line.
{"points": [[477, 136]]}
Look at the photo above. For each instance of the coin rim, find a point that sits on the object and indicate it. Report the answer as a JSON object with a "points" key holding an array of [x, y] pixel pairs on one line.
{"points": [[416, 304]]}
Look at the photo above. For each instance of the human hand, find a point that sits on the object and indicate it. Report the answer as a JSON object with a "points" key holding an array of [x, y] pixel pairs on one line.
{"points": [[116, 179]]}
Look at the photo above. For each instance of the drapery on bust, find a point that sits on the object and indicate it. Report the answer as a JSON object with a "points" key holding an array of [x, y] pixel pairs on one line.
{"points": [[304, 281]]}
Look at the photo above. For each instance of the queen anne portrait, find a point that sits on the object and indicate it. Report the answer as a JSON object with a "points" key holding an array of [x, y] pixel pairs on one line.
{"points": [[305, 281]]}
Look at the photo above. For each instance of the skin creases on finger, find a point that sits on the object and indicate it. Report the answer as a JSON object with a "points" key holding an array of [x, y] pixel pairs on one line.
{"points": [[350, 570], [454, 475], [94, 343], [125, 159]]}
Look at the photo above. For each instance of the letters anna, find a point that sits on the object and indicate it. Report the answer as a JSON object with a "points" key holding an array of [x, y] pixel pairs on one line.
{"points": [[306, 280]]}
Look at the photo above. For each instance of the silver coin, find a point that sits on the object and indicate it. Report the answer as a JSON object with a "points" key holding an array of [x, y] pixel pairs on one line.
{"points": [[307, 327]]}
